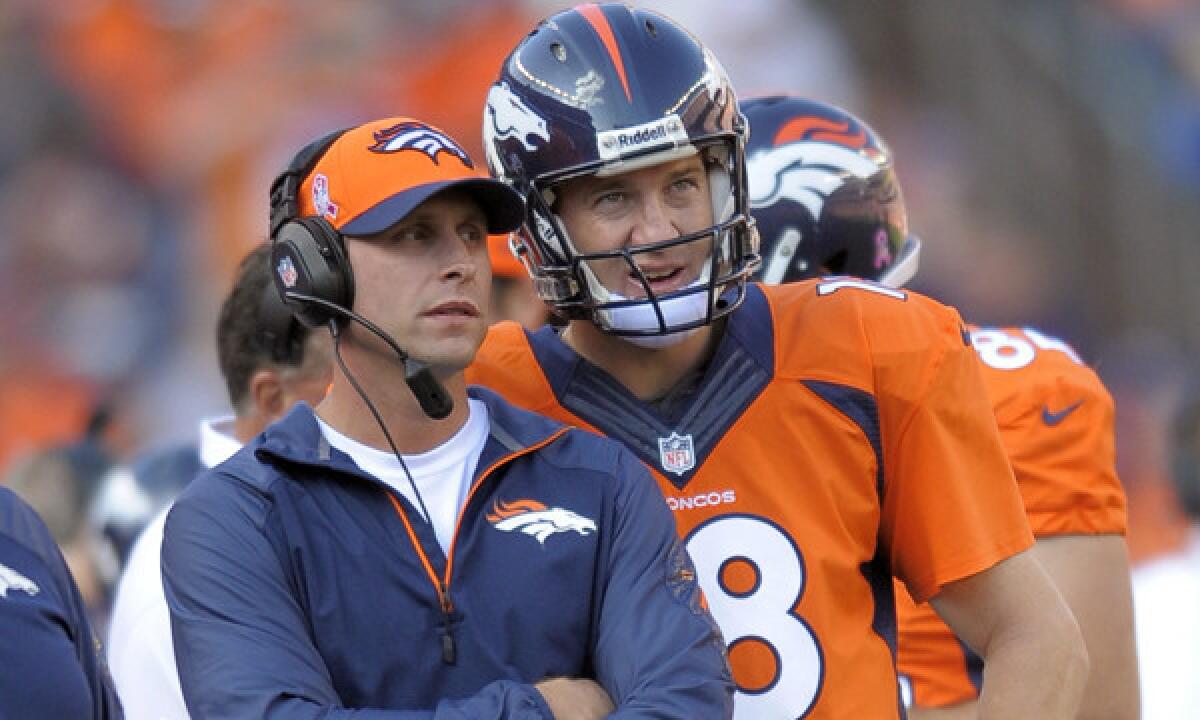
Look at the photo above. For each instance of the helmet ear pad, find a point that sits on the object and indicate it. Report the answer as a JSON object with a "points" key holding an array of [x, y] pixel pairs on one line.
{"points": [[309, 258]]}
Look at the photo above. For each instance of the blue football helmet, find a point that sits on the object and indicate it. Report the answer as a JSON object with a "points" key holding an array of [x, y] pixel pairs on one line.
{"points": [[606, 89], [824, 195]]}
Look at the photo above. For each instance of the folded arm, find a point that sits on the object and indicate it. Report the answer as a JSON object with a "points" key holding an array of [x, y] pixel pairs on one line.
{"points": [[1014, 618]]}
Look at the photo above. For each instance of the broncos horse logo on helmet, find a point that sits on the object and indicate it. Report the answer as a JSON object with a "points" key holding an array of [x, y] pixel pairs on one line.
{"points": [[508, 117], [824, 195], [604, 89]]}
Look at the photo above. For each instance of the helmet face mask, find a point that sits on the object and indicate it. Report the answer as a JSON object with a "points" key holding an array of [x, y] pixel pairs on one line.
{"points": [[565, 107], [825, 195]]}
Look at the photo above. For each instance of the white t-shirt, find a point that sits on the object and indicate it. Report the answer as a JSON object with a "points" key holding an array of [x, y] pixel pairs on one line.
{"points": [[443, 475], [1166, 602], [141, 656]]}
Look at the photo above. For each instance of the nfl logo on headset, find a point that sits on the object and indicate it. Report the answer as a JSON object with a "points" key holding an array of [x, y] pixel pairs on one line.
{"points": [[287, 272], [677, 453]]}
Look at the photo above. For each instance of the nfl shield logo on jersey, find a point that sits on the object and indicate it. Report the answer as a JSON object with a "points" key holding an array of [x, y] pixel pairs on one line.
{"points": [[676, 453]]}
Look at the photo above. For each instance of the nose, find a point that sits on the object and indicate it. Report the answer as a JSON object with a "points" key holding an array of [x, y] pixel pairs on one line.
{"points": [[458, 262], [654, 223]]}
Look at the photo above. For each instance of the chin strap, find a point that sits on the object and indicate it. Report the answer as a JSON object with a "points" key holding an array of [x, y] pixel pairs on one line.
{"points": [[687, 308]]}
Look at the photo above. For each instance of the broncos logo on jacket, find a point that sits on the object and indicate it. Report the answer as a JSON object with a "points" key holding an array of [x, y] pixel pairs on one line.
{"points": [[12, 580], [535, 519]]}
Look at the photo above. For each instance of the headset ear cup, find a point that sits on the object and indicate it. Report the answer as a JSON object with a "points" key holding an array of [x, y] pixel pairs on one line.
{"points": [[308, 258]]}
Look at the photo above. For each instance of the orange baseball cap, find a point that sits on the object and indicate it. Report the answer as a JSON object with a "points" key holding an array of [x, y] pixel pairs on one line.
{"points": [[374, 175]]}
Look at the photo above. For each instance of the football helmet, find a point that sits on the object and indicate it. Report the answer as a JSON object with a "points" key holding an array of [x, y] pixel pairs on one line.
{"points": [[606, 89], [824, 195]]}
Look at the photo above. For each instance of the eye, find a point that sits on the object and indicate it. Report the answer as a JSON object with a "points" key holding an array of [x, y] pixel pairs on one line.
{"points": [[685, 184], [612, 197], [409, 235], [472, 233]]}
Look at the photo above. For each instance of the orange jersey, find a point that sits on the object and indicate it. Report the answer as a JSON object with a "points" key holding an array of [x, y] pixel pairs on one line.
{"points": [[1056, 422], [841, 432]]}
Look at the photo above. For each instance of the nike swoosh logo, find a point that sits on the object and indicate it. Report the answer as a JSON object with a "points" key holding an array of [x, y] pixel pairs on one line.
{"points": [[1054, 418]]}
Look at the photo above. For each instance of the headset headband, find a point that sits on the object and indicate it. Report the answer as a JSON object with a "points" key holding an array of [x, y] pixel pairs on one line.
{"points": [[286, 185]]}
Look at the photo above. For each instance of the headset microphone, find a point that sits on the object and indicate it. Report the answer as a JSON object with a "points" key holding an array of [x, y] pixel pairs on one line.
{"points": [[430, 394]]}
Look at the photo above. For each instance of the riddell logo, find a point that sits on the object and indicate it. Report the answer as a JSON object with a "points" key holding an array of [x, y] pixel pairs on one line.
{"points": [[641, 137], [664, 131], [703, 500]]}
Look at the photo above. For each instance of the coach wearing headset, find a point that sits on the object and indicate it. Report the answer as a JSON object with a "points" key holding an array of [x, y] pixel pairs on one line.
{"points": [[410, 546]]}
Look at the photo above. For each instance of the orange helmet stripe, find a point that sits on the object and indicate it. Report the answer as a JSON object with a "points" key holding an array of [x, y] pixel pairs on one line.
{"points": [[812, 128], [595, 17]]}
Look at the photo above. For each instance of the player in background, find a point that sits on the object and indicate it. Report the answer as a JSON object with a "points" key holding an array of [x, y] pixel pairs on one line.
{"points": [[793, 429], [827, 200], [270, 362]]}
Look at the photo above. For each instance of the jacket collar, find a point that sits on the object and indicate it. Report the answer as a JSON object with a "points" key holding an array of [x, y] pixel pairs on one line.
{"points": [[297, 439]]}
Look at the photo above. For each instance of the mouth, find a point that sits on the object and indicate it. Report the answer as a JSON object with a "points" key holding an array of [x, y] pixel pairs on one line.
{"points": [[453, 309], [661, 279]]}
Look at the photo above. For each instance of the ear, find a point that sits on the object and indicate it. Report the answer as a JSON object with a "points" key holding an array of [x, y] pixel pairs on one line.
{"points": [[266, 392]]}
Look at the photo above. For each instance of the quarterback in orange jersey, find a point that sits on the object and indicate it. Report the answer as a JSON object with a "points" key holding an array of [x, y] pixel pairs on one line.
{"points": [[827, 200], [813, 439]]}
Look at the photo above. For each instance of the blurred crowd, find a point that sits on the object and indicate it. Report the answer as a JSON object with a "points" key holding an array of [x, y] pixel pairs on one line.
{"points": [[138, 137]]}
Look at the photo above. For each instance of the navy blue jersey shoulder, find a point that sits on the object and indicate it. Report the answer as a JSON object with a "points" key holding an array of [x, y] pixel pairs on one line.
{"points": [[51, 660], [740, 369], [295, 588]]}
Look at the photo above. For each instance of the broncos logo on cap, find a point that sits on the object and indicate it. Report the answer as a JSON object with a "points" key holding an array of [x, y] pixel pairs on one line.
{"points": [[418, 136], [12, 580], [535, 519]]}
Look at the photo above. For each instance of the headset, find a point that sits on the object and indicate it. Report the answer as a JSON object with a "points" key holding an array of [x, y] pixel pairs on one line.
{"points": [[315, 248], [278, 331], [321, 291]]}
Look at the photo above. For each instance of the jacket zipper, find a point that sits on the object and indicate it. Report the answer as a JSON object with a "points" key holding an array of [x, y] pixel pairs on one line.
{"points": [[440, 585]]}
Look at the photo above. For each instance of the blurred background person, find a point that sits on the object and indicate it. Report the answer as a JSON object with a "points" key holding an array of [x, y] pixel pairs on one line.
{"points": [[267, 362], [270, 362], [1167, 591], [60, 483]]}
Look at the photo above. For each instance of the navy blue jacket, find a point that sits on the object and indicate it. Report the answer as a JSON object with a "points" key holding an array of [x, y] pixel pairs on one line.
{"points": [[295, 588], [50, 660]]}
